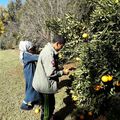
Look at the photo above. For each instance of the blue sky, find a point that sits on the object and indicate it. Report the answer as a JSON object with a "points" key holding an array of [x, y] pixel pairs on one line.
{"points": [[4, 2]]}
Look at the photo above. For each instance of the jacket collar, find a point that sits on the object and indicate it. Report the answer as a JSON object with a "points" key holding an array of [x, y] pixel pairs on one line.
{"points": [[51, 47]]}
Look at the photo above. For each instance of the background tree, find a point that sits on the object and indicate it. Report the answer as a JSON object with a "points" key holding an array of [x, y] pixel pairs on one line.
{"points": [[11, 17], [37, 12], [3, 20], [32, 17]]}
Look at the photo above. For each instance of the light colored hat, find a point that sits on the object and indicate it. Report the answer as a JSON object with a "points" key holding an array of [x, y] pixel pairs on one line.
{"points": [[24, 46]]}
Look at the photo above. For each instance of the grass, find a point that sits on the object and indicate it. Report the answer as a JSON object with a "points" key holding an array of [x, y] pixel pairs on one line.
{"points": [[12, 87], [12, 90]]}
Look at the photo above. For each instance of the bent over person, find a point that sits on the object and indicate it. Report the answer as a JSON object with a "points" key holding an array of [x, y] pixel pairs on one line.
{"points": [[29, 59]]}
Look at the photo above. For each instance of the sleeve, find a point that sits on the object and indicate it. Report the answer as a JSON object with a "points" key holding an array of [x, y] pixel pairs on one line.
{"points": [[49, 67], [30, 57]]}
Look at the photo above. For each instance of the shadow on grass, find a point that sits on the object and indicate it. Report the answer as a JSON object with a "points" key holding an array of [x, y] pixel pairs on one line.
{"points": [[66, 82], [65, 111]]}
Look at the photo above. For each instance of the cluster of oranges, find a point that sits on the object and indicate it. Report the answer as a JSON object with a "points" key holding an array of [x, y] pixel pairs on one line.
{"points": [[107, 78]]}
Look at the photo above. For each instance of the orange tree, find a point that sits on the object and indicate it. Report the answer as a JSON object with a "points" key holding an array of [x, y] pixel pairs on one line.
{"points": [[96, 84], [71, 29]]}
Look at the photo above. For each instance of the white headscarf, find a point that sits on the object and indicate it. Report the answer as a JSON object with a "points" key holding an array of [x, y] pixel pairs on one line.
{"points": [[24, 46]]}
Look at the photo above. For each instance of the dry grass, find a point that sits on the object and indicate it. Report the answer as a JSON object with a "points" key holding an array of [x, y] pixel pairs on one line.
{"points": [[12, 90]]}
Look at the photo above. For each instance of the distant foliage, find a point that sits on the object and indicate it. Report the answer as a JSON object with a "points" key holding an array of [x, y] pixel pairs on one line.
{"points": [[28, 21], [37, 13], [10, 18]]}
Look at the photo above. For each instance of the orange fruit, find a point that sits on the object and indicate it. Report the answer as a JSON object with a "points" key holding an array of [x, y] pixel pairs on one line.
{"points": [[105, 78], [90, 113], [97, 87], [37, 110], [85, 35], [82, 117], [110, 77]]}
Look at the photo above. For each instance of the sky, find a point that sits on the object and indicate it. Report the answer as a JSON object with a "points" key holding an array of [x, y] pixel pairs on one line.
{"points": [[4, 2]]}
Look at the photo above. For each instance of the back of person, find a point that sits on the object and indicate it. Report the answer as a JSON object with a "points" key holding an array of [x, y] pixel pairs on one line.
{"points": [[47, 64], [47, 57], [29, 65]]}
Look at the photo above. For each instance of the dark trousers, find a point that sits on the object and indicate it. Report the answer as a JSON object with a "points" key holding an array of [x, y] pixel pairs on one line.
{"points": [[48, 106]]}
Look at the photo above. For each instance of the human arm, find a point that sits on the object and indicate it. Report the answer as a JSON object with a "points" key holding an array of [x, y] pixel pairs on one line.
{"points": [[49, 65], [28, 57]]}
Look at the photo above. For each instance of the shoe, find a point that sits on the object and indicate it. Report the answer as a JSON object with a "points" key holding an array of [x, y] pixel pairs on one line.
{"points": [[26, 107]]}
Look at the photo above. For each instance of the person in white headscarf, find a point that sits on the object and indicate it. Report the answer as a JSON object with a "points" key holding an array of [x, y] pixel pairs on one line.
{"points": [[29, 59], [24, 46]]}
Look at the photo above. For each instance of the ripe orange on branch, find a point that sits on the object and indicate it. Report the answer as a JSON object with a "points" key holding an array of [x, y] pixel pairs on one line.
{"points": [[85, 35], [90, 113], [98, 87], [110, 77], [82, 117], [104, 78], [107, 78]]}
